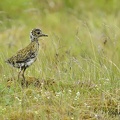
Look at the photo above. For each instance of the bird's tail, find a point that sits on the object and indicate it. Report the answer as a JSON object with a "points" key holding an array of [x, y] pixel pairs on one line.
{"points": [[7, 61]]}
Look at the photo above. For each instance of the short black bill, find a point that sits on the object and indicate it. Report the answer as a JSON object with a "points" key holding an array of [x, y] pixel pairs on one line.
{"points": [[44, 35]]}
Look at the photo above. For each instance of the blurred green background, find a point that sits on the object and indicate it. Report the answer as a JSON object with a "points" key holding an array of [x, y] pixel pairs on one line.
{"points": [[54, 13], [84, 28], [72, 22]]}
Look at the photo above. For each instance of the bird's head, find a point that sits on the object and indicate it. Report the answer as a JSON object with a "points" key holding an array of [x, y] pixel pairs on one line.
{"points": [[36, 33]]}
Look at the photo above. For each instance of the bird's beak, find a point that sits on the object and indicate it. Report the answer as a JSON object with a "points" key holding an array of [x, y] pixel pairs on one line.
{"points": [[43, 35]]}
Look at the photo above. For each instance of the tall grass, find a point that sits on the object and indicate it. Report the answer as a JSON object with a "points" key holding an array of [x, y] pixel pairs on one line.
{"points": [[76, 75]]}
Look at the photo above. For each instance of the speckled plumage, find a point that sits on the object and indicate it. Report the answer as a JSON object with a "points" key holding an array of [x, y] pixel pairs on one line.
{"points": [[24, 55], [28, 55]]}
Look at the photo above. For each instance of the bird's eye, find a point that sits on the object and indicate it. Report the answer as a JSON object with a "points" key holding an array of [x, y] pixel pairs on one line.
{"points": [[38, 32]]}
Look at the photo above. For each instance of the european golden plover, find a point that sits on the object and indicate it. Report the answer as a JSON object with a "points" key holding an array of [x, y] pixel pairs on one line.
{"points": [[28, 55]]}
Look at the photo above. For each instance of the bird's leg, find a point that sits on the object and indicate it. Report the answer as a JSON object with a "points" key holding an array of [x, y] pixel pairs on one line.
{"points": [[23, 81], [19, 74]]}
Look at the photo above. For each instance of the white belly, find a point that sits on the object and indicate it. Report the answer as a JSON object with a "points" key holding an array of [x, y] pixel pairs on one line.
{"points": [[28, 63]]}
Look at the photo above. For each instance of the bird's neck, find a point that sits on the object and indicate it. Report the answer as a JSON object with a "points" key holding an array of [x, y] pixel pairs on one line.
{"points": [[34, 40]]}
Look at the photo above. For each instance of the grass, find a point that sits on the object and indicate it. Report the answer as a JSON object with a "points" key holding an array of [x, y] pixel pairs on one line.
{"points": [[76, 75]]}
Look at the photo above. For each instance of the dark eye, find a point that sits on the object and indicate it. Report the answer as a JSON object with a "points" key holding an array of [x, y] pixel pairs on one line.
{"points": [[38, 32]]}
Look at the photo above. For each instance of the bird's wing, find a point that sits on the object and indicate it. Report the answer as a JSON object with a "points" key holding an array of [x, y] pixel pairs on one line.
{"points": [[24, 55]]}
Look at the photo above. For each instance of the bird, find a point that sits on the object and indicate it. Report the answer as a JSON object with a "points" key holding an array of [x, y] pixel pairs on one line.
{"points": [[28, 55]]}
